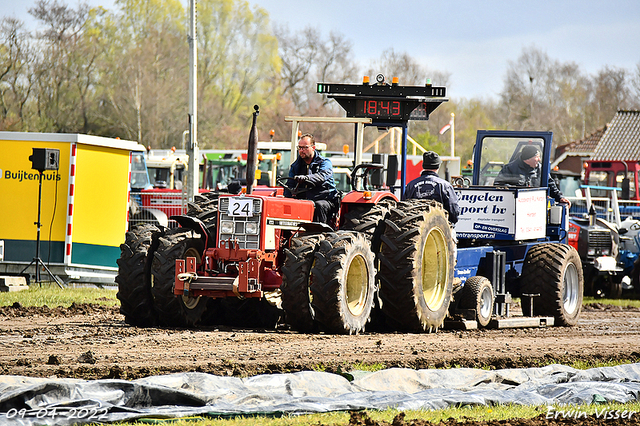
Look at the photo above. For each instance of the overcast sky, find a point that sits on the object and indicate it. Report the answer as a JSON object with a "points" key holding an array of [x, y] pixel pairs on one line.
{"points": [[470, 39]]}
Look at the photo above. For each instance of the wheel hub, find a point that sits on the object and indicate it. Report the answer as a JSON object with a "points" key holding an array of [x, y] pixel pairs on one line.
{"points": [[486, 302], [571, 288], [435, 269], [357, 278]]}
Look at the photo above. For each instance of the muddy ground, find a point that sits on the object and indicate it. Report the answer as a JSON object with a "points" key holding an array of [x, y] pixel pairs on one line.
{"points": [[94, 342]]}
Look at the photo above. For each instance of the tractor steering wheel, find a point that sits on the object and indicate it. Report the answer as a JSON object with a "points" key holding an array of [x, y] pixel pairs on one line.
{"points": [[287, 182]]}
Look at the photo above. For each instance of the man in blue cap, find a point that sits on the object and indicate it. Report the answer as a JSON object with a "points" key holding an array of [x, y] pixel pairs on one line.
{"points": [[430, 186]]}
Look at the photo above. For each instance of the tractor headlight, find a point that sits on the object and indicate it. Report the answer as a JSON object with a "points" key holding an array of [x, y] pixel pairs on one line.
{"points": [[606, 252], [226, 227], [251, 228], [591, 251]]}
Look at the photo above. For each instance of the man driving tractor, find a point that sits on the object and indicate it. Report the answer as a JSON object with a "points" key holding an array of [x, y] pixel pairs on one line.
{"points": [[314, 175]]}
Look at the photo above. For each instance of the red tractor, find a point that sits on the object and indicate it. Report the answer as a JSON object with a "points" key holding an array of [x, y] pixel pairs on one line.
{"points": [[231, 256]]}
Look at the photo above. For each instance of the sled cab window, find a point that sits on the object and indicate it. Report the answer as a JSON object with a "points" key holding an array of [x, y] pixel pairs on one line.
{"points": [[342, 178], [497, 152]]}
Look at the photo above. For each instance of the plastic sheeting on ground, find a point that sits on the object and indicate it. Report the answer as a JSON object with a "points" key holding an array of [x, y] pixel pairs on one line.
{"points": [[34, 401]]}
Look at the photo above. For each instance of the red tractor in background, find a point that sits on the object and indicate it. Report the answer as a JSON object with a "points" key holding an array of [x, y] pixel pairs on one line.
{"points": [[247, 259]]}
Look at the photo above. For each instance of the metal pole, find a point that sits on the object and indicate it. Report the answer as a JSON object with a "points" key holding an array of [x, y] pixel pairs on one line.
{"points": [[403, 175], [37, 259], [192, 146], [294, 140], [453, 132], [357, 152]]}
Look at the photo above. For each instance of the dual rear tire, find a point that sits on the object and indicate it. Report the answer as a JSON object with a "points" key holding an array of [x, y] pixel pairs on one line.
{"points": [[417, 262], [136, 301], [178, 243]]}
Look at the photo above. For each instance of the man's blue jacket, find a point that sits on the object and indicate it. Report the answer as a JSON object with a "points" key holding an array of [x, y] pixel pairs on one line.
{"points": [[320, 172], [430, 186]]}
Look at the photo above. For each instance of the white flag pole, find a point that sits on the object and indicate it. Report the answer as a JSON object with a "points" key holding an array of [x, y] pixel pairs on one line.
{"points": [[453, 138]]}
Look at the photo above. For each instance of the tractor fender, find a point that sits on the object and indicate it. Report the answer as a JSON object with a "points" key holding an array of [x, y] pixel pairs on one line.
{"points": [[316, 227], [195, 224], [358, 197]]}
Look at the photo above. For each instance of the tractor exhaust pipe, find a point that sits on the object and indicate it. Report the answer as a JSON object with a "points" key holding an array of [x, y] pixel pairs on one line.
{"points": [[252, 151], [592, 216]]}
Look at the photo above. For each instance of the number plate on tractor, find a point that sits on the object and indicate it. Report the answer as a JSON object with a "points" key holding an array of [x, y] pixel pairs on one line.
{"points": [[240, 207]]}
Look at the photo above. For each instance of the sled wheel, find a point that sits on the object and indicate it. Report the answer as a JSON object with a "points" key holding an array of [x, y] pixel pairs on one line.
{"points": [[555, 272], [134, 293], [416, 266], [343, 282], [296, 276], [478, 294], [614, 288], [178, 243]]}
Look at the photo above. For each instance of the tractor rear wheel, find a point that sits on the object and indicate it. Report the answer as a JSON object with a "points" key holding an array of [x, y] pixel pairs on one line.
{"points": [[178, 243], [554, 271], [416, 266], [205, 208], [296, 277], [478, 294], [343, 282], [368, 219], [134, 293]]}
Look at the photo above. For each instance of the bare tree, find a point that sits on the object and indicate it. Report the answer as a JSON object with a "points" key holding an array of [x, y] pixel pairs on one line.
{"points": [[16, 78], [612, 91], [299, 53], [239, 60], [65, 67], [144, 73], [543, 94], [635, 83], [308, 58], [406, 68]]}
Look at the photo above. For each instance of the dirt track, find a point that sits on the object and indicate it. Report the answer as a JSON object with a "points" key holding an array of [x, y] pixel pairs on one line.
{"points": [[89, 341]]}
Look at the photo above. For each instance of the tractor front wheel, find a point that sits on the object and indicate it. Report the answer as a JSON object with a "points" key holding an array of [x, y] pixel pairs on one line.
{"points": [[134, 293], [178, 243], [296, 277], [343, 282], [635, 276]]}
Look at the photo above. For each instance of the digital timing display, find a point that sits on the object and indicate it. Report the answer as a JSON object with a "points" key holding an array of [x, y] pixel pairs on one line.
{"points": [[378, 108]]}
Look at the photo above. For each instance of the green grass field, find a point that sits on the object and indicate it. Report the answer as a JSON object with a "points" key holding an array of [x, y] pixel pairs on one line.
{"points": [[501, 413]]}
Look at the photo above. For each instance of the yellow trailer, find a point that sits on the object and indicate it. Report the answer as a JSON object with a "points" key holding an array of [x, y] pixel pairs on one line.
{"points": [[84, 205]]}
